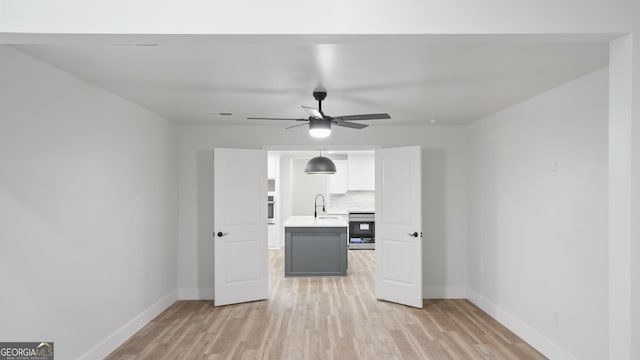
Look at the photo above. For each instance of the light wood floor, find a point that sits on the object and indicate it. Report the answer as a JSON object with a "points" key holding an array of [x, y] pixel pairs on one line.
{"points": [[324, 318]]}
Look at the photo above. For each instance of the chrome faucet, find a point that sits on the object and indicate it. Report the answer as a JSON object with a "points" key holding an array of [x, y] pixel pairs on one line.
{"points": [[315, 205]]}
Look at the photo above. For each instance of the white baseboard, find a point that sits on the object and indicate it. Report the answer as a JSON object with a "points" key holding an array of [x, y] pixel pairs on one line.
{"points": [[196, 294], [444, 292], [541, 343], [106, 346]]}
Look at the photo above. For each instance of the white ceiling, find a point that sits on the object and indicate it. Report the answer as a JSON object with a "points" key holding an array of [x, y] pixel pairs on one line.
{"points": [[452, 79]]}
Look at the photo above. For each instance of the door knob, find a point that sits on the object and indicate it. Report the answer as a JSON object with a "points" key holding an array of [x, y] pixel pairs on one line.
{"points": [[221, 234], [413, 234]]}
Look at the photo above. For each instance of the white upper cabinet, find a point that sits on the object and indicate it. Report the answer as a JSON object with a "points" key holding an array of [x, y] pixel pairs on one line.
{"points": [[338, 182], [361, 174], [271, 167]]}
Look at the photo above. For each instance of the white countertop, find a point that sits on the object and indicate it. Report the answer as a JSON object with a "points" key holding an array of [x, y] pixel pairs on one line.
{"points": [[310, 221]]}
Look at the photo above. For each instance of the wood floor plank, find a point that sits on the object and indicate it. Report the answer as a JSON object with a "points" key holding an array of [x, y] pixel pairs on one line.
{"points": [[324, 318]]}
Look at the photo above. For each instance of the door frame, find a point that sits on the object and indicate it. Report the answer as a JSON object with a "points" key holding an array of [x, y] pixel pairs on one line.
{"points": [[293, 148]]}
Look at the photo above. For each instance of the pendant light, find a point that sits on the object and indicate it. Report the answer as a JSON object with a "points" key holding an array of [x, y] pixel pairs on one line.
{"points": [[320, 165]]}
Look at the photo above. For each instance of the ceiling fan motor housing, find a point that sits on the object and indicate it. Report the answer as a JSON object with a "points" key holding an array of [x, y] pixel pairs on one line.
{"points": [[319, 123]]}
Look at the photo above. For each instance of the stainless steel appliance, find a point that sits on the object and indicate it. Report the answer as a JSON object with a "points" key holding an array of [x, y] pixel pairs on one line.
{"points": [[271, 209], [362, 230]]}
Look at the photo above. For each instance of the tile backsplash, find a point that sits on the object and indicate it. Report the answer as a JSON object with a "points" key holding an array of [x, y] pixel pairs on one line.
{"points": [[352, 201]]}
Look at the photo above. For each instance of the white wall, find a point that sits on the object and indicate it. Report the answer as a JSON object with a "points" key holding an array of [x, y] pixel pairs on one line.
{"points": [[632, 280], [88, 199], [624, 250], [538, 229], [402, 17], [446, 217]]}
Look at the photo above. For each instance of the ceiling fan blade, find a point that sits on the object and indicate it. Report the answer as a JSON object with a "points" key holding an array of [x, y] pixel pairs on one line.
{"points": [[363, 117], [349, 124], [313, 112], [291, 127], [262, 118]]}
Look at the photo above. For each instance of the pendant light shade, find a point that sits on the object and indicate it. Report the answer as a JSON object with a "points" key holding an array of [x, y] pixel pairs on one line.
{"points": [[320, 165]]}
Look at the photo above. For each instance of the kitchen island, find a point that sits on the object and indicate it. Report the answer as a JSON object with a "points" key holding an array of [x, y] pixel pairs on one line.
{"points": [[315, 246]]}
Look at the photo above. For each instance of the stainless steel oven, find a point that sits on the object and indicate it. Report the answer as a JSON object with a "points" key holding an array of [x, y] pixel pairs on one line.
{"points": [[362, 230], [271, 209]]}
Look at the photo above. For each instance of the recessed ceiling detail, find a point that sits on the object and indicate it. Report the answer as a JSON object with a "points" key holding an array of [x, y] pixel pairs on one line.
{"points": [[459, 78]]}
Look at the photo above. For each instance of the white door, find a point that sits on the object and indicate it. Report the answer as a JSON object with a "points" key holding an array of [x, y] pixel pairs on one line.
{"points": [[240, 223], [399, 226]]}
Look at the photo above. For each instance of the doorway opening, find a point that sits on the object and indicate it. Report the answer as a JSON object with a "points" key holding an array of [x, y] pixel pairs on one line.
{"points": [[241, 252], [292, 192]]}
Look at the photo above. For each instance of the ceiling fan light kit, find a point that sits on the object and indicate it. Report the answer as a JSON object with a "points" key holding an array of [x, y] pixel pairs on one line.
{"points": [[320, 123], [319, 128]]}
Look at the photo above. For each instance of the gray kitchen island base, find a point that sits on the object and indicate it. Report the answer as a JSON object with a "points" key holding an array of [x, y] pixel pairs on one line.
{"points": [[315, 251]]}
